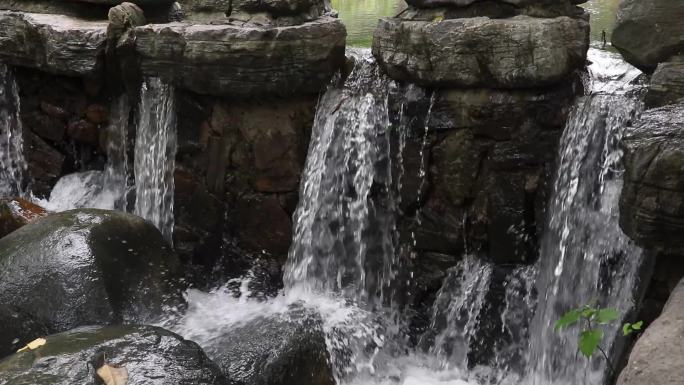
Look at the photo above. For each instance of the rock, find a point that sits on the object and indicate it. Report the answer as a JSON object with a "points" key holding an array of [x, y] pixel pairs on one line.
{"points": [[17, 212], [667, 83], [465, 3], [263, 224], [18, 329], [520, 52], [648, 32], [275, 350], [125, 15], [652, 201], [264, 61], [492, 9], [96, 114], [44, 125], [56, 44], [44, 164], [54, 111], [143, 3], [67, 8], [658, 356], [150, 355], [83, 131], [85, 267]]}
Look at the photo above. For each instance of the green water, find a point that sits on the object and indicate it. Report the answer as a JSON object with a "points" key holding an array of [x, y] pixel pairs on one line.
{"points": [[361, 17]]}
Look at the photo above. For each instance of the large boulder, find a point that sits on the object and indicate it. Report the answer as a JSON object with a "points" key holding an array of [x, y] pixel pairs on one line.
{"points": [[263, 61], [280, 349], [652, 201], [85, 267], [150, 356], [56, 44], [519, 52], [648, 32], [667, 83], [658, 356]]}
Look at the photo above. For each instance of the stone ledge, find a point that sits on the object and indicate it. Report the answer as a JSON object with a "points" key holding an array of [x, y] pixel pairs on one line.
{"points": [[520, 52], [242, 60], [652, 201], [57, 44]]}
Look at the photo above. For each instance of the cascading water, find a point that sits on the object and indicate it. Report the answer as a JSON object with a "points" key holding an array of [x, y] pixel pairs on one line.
{"points": [[155, 152], [12, 163], [585, 257], [345, 258]]}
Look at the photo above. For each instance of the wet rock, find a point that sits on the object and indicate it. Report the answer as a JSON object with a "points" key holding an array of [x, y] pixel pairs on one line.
{"points": [[520, 52], [275, 350], [54, 111], [123, 16], [263, 225], [150, 355], [465, 3], [18, 329], [658, 356], [17, 212], [652, 201], [96, 114], [137, 2], [270, 61], [87, 266], [52, 43], [44, 165], [44, 125], [84, 131], [667, 83], [648, 32]]}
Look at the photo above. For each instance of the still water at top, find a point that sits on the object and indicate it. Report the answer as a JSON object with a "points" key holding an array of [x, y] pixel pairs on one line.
{"points": [[361, 17]]}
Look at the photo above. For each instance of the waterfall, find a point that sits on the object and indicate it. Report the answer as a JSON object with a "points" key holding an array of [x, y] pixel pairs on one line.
{"points": [[155, 152], [116, 170], [585, 256], [344, 236], [12, 162]]}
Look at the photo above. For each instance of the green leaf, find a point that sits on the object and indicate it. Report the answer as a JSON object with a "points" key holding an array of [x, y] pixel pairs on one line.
{"points": [[588, 312], [626, 329], [638, 325], [589, 340], [568, 319], [607, 315]]}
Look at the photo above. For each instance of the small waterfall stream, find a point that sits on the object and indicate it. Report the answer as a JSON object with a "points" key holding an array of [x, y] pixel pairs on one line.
{"points": [[12, 162], [155, 153]]}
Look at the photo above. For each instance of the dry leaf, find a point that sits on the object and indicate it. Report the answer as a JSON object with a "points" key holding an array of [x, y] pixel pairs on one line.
{"points": [[33, 345], [112, 375]]}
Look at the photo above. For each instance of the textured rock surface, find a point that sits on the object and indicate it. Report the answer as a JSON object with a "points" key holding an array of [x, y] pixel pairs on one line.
{"points": [[667, 83], [658, 356], [273, 351], [263, 61], [652, 201], [17, 212], [150, 355], [648, 32], [85, 267], [52, 43], [520, 52]]}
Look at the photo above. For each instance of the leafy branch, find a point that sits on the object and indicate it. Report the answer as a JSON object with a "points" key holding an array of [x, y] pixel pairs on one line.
{"points": [[591, 320]]}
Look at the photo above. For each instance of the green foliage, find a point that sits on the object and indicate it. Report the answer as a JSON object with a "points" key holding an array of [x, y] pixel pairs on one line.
{"points": [[629, 328], [590, 320]]}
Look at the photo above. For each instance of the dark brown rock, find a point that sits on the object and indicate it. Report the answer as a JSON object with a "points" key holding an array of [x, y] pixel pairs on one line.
{"points": [[17, 212], [44, 165], [83, 131], [263, 224], [96, 114]]}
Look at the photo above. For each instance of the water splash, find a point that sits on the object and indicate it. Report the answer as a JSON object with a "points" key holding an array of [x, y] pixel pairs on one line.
{"points": [[116, 170], [155, 152], [12, 163]]}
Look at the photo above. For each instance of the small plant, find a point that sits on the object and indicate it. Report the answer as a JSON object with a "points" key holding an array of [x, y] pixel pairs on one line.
{"points": [[591, 320]]}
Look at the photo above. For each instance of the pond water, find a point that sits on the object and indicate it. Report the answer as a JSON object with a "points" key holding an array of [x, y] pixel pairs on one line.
{"points": [[361, 17]]}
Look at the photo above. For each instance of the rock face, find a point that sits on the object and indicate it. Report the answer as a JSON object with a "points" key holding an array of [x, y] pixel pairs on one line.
{"points": [[17, 212], [648, 32], [52, 43], [264, 61], [652, 201], [85, 267], [273, 351], [520, 52], [150, 355], [658, 356], [667, 83]]}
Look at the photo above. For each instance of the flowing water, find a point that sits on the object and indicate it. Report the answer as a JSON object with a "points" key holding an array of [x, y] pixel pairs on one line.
{"points": [[12, 162], [345, 257], [155, 153]]}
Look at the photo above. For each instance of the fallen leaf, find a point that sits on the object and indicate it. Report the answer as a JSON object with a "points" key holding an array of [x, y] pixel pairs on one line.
{"points": [[112, 375], [33, 345]]}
